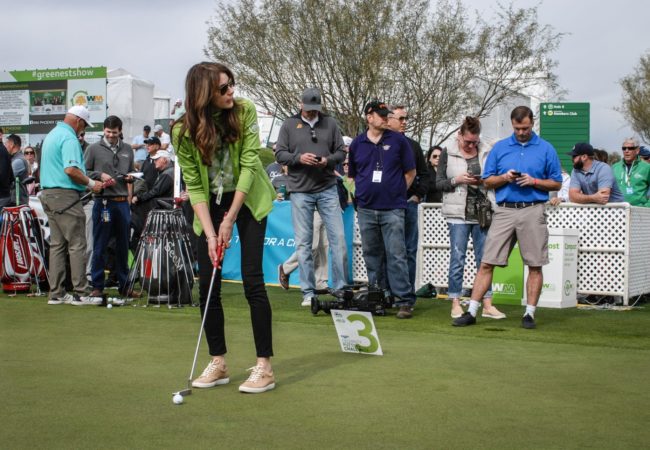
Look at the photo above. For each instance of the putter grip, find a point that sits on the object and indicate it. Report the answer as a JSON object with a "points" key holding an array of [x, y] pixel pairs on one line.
{"points": [[220, 254]]}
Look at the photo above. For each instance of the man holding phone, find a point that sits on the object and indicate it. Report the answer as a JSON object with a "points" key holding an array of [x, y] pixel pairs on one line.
{"points": [[311, 146], [522, 169]]}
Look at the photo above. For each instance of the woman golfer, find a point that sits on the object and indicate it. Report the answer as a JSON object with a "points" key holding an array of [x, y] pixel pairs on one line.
{"points": [[217, 145]]}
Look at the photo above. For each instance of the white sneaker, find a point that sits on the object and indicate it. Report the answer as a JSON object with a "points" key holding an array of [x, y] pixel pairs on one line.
{"points": [[306, 302], [86, 301], [68, 299]]}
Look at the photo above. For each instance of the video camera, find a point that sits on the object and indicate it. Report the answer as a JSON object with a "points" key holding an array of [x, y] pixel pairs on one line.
{"points": [[356, 297]]}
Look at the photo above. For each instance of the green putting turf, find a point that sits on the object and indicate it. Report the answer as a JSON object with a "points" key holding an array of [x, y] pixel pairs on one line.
{"points": [[88, 377]]}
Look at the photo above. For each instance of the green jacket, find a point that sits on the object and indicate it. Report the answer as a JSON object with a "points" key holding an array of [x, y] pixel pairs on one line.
{"points": [[250, 177], [639, 181]]}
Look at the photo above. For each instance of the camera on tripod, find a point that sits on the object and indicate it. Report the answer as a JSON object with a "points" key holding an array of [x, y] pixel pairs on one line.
{"points": [[356, 297]]}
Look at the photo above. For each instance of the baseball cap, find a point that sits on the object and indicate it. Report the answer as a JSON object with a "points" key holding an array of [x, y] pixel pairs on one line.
{"points": [[347, 140], [311, 100], [644, 152], [376, 106], [157, 128], [82, 113], [162, 154], [152, 140], [581, 148]]}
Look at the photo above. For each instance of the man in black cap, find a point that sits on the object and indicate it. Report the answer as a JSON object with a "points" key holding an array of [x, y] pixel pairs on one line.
{"points": [[311, 145], [382, 165], [592, 181]]}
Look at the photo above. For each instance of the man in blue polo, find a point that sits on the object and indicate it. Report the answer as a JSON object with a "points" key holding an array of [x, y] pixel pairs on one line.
{"points": [[63, 180], [522, 169], [382, 166], [591, 181]]}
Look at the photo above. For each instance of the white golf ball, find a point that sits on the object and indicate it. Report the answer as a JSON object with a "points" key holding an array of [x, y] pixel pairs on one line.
{"points": [[177, 399], [109, 306]]}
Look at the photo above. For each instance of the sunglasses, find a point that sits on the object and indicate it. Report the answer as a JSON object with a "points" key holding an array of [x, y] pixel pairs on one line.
{"points": [[402, 118], [624, 148], [30, 153], [475, 143], [224, 87], [645, 158], [313, 136], [435, 156], [346, 164]]}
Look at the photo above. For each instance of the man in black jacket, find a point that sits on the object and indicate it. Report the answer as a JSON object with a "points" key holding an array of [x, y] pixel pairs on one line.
{"points": [[6, 175], [416, 192]]}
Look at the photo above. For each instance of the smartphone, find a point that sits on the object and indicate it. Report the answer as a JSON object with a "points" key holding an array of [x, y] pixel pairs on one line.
{"points": [[318, 158], [516, 174]]}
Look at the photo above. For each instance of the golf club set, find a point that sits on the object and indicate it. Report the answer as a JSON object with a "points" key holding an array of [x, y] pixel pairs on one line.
{"points": [[22, 251]]}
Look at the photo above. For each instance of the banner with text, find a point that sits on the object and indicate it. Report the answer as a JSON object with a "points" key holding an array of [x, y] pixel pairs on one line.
{"points": [[33, 101]]}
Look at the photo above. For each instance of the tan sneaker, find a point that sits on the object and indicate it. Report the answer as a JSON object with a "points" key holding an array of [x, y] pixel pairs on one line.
{"points": [[456, 311], [213, 375], [492, 313], [259, 381]]}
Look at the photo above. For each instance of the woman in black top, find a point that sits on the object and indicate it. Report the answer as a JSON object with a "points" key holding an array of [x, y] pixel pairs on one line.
{"points": [[434, 195]]}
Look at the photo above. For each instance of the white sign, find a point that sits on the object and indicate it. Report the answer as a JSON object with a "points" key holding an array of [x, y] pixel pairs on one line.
{"points": [[559, 289], [356, 331]]}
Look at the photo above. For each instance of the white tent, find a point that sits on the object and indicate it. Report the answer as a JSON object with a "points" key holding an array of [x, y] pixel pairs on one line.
{"points": [[132, 99], [161, 102]]}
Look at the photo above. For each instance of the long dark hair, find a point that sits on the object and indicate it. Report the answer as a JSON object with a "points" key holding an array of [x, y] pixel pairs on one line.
{"points": [[201, 84]]}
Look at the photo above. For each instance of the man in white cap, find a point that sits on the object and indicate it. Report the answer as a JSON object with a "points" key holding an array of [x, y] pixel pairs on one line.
{"points": [[165, 140], [63, 180], [164, 185]]}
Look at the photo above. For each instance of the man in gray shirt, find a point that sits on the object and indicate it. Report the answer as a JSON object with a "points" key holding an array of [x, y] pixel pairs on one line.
{"points": [[592, 181], [311, 145], [111, 158]]}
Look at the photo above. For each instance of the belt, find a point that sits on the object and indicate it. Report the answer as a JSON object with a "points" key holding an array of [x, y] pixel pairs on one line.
{"points": [[518, 205], [115, 199]]}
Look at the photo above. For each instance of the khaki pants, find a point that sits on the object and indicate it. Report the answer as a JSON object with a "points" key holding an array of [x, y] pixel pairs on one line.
{"points": [[67, 237]]}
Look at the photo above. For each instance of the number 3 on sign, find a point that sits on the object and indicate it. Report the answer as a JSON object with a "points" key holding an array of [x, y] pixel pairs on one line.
{"points": [[356, 331]]}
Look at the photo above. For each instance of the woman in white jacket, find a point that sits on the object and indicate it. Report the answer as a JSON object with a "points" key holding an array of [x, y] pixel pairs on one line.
{"points": [[459, 177]]}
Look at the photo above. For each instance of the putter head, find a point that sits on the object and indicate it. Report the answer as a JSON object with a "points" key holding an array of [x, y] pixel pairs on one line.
{"points": [[184, 392]]}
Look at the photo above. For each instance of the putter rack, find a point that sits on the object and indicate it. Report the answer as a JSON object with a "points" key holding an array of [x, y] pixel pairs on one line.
{"points": [[163, 263]]}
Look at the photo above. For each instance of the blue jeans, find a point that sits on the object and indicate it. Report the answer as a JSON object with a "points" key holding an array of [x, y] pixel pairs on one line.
{"points": [[459, 238], [411, 238], [119, 226], [303, 206], [382, 239]]}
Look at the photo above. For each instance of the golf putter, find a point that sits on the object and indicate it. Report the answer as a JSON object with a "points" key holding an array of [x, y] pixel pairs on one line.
{"points": [[216, 265]]}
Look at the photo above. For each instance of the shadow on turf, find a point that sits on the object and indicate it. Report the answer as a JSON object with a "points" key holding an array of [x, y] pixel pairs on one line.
{"points": [[307, 366]]}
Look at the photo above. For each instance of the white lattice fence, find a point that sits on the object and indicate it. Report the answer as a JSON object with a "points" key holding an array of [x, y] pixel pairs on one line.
{"points": [[613, 248]]}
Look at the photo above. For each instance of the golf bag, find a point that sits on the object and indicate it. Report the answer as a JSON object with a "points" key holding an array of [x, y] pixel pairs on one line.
{"points": [[22, 250], [163, 261]]}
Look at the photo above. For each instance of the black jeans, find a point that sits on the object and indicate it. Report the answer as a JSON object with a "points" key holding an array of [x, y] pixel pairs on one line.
{"points": [[251, 238]]}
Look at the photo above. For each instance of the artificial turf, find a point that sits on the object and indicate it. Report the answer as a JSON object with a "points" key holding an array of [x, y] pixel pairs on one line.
{"points": [[88, 377]]}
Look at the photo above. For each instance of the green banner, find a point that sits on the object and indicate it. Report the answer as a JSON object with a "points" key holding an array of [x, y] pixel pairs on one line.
{"points": [[564, 125], [508, 282], [72, 73]]}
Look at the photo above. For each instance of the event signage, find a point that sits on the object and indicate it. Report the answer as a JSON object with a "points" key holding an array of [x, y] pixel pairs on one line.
{"points": [[279, 244], [559, 288], [33, 101], [564, 125], [508, 282], [356, 331]]}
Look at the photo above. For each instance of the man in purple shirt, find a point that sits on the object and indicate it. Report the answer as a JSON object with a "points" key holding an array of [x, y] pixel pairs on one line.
{"points": [[382, 166]]}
